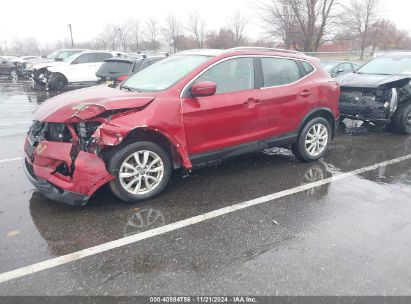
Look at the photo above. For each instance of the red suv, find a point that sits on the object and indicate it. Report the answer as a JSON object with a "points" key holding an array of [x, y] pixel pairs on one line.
{"points": [[186, 110]]}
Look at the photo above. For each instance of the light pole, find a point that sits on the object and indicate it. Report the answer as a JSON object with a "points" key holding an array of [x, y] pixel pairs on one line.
{"points": [[71, 35], [121, 38]]}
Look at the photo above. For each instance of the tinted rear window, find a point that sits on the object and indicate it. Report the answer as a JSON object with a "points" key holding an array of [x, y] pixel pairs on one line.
{"points": [[116, 67]]}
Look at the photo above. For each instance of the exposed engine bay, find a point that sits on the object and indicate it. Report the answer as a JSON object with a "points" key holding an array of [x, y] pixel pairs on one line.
{"points": [[373, 102]]}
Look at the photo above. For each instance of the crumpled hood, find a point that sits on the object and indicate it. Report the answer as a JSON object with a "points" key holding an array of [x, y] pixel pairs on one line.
{"points": [[355, 80], [88, 103], [42, 65]]}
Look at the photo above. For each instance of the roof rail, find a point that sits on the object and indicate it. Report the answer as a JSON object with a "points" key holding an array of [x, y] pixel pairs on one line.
{"points": [[263, 49]]}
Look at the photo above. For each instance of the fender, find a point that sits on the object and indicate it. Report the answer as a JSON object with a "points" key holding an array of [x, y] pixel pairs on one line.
{"points": [[111, 135], [334, 123]]}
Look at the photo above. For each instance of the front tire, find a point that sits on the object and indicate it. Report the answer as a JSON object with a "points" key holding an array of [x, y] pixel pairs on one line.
{"points": [[142, 171], [402, 120], [313, 141], [58, 82], [38, 77]]}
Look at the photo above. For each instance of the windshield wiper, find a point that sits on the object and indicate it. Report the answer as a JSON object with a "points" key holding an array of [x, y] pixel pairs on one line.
{"points": [[130, 89]]}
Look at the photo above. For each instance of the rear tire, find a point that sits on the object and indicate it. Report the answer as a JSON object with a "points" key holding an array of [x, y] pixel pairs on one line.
{"points": [[401, 123], [142, 171], [313, 141], [58, 82]]}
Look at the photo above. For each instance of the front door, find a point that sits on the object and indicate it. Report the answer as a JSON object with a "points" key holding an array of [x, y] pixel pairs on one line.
{"points": [[228, 118], [4, 67]]}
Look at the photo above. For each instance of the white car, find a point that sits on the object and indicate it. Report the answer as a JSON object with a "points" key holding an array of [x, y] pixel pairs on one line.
{"points": [[79, 68]]}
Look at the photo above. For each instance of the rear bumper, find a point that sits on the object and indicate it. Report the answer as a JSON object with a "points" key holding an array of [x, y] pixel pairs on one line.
{"points": [[54, 193]]}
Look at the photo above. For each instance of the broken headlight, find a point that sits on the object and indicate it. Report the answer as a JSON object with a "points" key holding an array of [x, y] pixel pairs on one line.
{"points": [[85, 131]]}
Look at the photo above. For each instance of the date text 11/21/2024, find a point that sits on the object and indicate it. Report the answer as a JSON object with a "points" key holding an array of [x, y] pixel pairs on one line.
{"points": [[203, 299]]}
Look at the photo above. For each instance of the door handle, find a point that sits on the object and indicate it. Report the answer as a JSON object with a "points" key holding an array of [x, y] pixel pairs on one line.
{"points": [[306, 94], [252, 101]]}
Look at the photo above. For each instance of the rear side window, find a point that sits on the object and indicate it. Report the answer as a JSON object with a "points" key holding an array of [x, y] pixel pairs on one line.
{"points": [[100, 57], [148, 63], [116, 67], [279, 71], [231, 75], [306, 68], [85, 58]]}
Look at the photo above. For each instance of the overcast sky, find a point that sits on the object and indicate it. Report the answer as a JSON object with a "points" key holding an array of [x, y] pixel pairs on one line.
{"points": [[47, 20]]}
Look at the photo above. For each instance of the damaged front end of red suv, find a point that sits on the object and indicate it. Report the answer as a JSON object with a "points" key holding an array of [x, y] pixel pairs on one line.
{"points": [[63, 147]]}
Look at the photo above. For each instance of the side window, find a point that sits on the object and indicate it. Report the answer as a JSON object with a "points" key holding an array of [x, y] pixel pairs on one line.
{"points": [[100, 57], [279, 71], [137, 66], [232, 75], [85, 58], [344, 67], [148, 63], [306, 68]]}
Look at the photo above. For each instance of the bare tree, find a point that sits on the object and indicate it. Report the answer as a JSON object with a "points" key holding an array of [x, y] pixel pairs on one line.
{"points": [[172, 32], [301, 23], [25, 46], [279, 22], [238, 25], [385, 35], [135, 34], [359, 17], [196, 27], [153, 32], [124, 36], [109, 37]]}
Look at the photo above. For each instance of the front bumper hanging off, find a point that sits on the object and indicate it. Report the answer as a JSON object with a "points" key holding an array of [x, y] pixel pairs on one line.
{"points": [[54, 193], [79, 179]]}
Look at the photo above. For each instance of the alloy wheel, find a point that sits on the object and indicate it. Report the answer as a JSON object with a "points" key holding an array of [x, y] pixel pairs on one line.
{"points": [[141, 172], [316, 140]]}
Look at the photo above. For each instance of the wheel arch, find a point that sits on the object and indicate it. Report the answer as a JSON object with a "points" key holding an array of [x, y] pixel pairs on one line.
{"points": [[147, 134], [320, 112]]}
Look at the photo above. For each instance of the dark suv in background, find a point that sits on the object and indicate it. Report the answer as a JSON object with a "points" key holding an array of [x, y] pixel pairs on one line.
{"points": [[117, 69], [7, 68]]}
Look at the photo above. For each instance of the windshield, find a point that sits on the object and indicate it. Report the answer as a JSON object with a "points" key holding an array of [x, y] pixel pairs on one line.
{"points": [[70, 58], [387, 66], [66, 54], [165, 73], [328, 65], [53, 55]]}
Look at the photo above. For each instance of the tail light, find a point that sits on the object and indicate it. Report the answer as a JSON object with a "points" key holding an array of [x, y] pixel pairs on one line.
{"points": [[122, 78]]}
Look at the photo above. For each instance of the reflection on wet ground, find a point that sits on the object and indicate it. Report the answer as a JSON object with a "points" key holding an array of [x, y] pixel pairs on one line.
{"points": [[250, 244]]}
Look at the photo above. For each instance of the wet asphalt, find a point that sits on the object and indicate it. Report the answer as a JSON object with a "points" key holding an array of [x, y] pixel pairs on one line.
{"points": [[350, 237]]}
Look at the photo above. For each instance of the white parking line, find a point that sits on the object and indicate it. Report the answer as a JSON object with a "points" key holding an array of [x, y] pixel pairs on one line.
{"points": [[34, 268], [8, 160]]}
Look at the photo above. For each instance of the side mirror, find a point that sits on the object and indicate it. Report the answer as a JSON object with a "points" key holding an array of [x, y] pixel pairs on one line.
{"points": [[203, 89], [340, 70], [4, 62], [58, 59], [44, 56]]}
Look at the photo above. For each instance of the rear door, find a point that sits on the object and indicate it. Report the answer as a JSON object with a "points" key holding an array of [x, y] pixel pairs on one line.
{"points": [[81, 68], [84, 68], [285, 96]]}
